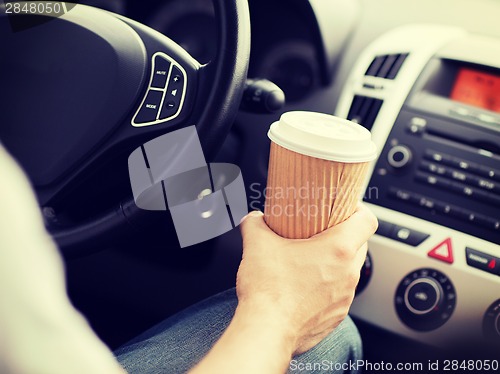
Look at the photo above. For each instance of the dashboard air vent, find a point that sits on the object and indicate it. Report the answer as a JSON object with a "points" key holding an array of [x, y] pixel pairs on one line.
{"points": [[386, 66], [364, 110]]}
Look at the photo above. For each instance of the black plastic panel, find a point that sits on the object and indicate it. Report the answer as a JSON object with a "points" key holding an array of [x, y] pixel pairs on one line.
{"points": [[386, 66], [364, 110], [447, 182]]}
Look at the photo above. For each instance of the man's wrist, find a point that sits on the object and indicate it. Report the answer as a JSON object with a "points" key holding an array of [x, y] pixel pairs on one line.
{"points": [[263, 316], [257, 331]]}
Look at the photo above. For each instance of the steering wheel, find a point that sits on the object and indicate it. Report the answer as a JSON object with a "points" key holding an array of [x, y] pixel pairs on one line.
{"points": [[86, 87]]}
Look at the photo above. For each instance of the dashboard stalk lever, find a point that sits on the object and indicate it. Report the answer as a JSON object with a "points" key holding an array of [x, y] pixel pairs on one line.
{"points": [[262, 96]]}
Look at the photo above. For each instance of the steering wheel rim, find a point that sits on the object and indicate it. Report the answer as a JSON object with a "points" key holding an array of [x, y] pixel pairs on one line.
{"points": [[220, 83]]}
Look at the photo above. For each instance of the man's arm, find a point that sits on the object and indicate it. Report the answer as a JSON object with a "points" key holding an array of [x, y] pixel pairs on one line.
{"points": [[256, 341], [291, 294], [40, 330]]}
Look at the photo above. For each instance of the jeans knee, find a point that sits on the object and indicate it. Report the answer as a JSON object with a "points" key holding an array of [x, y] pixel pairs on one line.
{"points": [[349, 334]]}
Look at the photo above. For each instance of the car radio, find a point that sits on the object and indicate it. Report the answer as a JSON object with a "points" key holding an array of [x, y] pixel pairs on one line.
{"points": [[441, 160]]}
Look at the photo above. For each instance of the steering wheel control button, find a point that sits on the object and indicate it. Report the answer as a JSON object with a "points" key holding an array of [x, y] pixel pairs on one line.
{"points": [[171, 103], [491, 323], [176, 79], [161, 71], [173, 94], [150, 108], [443, 251], [169, 109], [168, 80], [425, 299], [399, 156], [482, 261]]}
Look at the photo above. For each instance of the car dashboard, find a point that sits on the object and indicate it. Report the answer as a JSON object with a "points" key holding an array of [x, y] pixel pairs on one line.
{"points": [[431, 94], [425, 79]]}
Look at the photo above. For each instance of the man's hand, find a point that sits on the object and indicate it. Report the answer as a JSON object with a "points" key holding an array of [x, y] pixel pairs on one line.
{"points": [[291, 294], [308, 284]]}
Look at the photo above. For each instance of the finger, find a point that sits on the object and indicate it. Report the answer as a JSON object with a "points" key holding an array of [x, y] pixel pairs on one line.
{"points": [[360, 257], [255, 213], [356, 230], [253, 227]]}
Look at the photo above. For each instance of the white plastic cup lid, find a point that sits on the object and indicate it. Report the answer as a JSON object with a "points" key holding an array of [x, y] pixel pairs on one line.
{"points": [[323, 136]]}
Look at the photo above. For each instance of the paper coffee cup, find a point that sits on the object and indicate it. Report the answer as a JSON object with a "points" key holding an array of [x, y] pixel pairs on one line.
{"points": [[317, 168]]}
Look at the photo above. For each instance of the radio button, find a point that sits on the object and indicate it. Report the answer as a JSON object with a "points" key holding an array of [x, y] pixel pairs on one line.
{"points": [[487, 197], [443, 208], [400, 194], [461, 111], [472, 192], [475, 168], [433, 180], [426, 203], [399, 156], [494, 199], [458, 175], [486, 184], [438, 157], [488, 223], [489, 172], [417, 125], [433, 168], [463, 164], [462, 214], [486, 118], [463, 189]]}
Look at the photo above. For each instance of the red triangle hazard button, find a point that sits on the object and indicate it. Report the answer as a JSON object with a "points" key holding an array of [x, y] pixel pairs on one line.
{"points": [[443, 251]]}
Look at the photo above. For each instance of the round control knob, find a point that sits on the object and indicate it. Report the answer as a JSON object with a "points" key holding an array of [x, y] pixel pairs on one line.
{"points": [[491, 323], [399, 156], [425, 299], [366, 274], [423, 295]]}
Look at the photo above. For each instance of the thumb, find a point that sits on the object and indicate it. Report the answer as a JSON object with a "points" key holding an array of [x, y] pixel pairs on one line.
{"points": [[253, 227]]}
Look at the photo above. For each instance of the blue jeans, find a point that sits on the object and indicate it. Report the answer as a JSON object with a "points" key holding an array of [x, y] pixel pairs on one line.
{"points": [[178, 343]]}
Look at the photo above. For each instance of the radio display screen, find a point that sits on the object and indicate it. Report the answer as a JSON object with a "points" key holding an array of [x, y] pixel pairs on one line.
{"points": [[477, 88]]}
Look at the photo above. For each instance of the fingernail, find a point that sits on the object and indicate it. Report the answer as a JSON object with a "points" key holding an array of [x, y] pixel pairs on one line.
{"points": [[255, 213]]}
